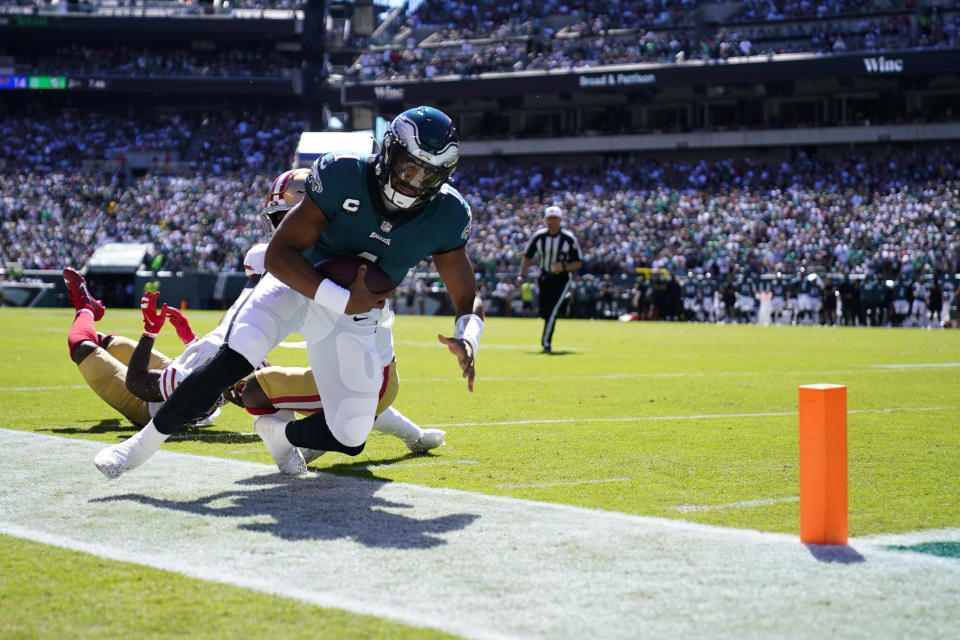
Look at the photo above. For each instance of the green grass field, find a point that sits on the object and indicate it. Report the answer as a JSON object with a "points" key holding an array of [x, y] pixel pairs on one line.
{"points": [[682, 421]]}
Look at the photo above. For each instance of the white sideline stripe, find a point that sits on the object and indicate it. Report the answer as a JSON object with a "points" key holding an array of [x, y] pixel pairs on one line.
{"points": [[497, 567], [696, 416], [689, 508], [302, 344], [559, 484]]}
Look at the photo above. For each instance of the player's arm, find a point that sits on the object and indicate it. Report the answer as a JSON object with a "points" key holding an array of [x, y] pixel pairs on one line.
{"points": [[458, 276], [142, 381], [300, 228]]}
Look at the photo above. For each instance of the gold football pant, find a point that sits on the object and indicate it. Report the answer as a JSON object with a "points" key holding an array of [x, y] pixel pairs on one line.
{"points": [[295, 388], [105, 371]]}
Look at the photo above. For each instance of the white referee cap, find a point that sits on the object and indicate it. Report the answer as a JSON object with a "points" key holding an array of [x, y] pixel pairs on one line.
{"points": [[553, 212]]}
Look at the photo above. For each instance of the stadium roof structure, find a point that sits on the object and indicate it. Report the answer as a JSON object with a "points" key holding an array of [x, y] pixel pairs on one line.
{"points": [[119, 257], [314, 144]]}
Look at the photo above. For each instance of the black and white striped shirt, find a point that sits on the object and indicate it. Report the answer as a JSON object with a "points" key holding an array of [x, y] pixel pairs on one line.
{"points": [[562, 248]]}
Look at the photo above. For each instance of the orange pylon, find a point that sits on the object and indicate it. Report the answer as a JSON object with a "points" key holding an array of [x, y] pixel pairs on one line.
{"points": [[823, 464]]}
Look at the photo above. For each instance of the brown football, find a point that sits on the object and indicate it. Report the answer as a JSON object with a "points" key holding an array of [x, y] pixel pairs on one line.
{"points": [[343, 271]]}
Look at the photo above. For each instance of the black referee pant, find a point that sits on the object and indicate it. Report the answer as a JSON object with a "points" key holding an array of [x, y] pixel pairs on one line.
{"points": [[553, 288]]}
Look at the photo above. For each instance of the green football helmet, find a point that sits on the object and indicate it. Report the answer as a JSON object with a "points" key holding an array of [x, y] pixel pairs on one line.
{"points": [[419, 154]]}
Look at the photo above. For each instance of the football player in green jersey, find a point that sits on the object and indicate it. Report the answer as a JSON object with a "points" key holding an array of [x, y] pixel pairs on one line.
{"points": [[394, 208]]}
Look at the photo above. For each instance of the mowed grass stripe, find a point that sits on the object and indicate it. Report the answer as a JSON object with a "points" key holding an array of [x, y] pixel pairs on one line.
{"points": [[714, 416], [898, 460], [506, 568], [869, 368]]}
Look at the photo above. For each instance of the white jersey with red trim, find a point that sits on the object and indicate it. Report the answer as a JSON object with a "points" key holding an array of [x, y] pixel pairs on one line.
{"points": [[202, 350], [253, 262], [197, 354]]}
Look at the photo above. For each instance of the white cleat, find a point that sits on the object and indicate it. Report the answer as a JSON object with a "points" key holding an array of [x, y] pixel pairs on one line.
{"points": [[429, 439], [272, 431], [131, 453], [309, 455]]}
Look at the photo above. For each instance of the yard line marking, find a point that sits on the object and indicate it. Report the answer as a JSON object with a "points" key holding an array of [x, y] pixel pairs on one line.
{"points": [[511, 347], [54, 388], [559, 484], [505, 566], [417, 464], [928, 365], [688, 508], [868, 368], [696, 416]]}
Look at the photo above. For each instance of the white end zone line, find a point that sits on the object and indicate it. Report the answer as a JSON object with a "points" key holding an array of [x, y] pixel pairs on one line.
{"points": [[495, 567]]}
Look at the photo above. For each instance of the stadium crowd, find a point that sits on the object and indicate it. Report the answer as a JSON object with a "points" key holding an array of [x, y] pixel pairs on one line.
{"points": [[465, 39], [153, 61], [890, 212], [115, 7], [53, 213]]}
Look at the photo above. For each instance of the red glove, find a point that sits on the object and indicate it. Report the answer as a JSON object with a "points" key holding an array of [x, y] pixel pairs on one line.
{"points": [[152, 319], [182, 325]]}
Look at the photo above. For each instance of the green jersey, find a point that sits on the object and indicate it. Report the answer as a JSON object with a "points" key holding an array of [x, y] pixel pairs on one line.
{"points": [[345, 188]]}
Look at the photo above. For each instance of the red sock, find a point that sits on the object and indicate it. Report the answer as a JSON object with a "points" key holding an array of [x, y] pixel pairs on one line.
{"points": [[82, 329], [260, 412]]}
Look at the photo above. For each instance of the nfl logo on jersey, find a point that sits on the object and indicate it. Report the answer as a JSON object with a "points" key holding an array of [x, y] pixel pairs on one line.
{"points": [[386, 226]]}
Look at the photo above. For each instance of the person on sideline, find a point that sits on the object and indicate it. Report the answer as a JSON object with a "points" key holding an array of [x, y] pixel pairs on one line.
{"points": [[558, 255]]}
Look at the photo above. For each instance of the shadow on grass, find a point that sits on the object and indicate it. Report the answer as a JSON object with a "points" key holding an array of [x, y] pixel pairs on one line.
{"points": [[835, 553], [124, 430], [113, 425], [322, 507], [205, 435], [365, 468]]}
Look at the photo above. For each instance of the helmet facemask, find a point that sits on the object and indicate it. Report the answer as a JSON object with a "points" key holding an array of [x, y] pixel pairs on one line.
{"points": [[270, 217]]}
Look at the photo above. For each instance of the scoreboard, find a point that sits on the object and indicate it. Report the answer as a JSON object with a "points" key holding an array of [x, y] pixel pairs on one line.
{"points": [[33, 82]]}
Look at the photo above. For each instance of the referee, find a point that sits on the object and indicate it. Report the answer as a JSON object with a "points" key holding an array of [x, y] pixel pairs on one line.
{"points": [[558, 254]]}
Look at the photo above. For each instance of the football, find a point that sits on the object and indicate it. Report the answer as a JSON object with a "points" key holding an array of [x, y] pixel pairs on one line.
{"points": [[343, 271]]}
